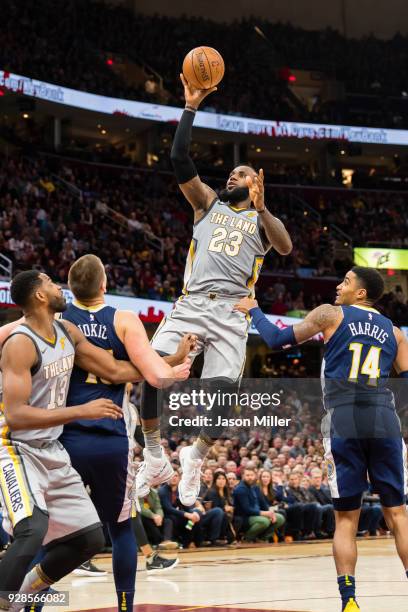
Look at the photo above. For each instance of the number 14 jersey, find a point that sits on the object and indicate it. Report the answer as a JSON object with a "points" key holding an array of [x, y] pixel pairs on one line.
{"points": [[226, 252]]}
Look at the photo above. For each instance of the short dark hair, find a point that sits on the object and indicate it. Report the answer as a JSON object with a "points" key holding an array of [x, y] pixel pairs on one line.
{"points": [[23, 285], [85, 277], [372, 282]]}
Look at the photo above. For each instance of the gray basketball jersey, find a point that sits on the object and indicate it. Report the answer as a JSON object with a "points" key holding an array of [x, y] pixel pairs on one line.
{"points": [[50, 380], [226, 252]]}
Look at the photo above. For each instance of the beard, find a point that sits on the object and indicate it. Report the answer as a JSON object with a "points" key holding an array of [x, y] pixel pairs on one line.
{"points": [[58, 304], [235, 195]]}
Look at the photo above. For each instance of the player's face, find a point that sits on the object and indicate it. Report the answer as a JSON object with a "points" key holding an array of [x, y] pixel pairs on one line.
{"points": [[53, 294], [349, 290], [236, 189]]}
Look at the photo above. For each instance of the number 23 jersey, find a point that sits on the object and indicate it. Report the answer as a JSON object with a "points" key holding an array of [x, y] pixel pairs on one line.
{"points": [[226, 252]]}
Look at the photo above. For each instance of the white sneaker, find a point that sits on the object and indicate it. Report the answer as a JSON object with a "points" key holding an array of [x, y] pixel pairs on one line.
{"points": [[189, 485], [152, 472]]}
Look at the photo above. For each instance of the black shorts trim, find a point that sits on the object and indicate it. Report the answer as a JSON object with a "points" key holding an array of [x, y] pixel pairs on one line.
{"points": [[70, 536], [347, 504]]}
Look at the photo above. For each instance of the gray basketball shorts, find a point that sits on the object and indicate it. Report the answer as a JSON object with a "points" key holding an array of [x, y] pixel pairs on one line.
{"points": [[222, 333], [43, 477]]}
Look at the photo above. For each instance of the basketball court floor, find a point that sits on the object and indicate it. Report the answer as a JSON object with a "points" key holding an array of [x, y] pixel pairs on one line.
{"points": [[278, 578]]}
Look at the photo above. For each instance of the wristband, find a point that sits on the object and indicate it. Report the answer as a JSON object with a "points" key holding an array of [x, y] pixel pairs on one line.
{"points": [[262, 211], [190, 108]]}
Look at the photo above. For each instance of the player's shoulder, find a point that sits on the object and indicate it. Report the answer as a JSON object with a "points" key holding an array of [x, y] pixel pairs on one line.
{"points": [[398, 334], [19, 348], [125, 319], [327, 313]]}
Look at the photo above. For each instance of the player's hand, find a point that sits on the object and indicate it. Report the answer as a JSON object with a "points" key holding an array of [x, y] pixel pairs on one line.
{"points": [[182, 371], [101, 409], [194, 96], [257, 190], [187, 345], [245, 304]]}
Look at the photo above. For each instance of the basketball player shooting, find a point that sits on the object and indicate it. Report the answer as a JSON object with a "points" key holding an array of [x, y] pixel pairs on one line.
{"points": [[362, 346], [232, 233]]}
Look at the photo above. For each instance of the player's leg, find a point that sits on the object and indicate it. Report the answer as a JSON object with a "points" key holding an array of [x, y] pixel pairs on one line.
{"points": [[24, 511], [28, 535], [106, 464], [224, 360], [187, 317], [389, 476], [62, 557], [345, 552], [347, 474]]}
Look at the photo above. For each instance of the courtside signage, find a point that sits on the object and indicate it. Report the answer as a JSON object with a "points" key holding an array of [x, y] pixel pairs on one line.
{"points": [[215, 121], [386, 259], [149, 311]]}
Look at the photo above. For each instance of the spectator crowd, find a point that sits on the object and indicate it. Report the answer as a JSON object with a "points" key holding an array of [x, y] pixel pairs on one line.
{"points": [[269, 488], [52, 42], [54, 210]]}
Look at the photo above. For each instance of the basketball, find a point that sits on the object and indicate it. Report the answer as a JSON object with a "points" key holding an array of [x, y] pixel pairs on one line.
{"points": [[203, 67]]}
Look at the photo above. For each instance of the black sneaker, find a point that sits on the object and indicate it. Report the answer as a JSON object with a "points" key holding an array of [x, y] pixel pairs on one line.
{"points": [[89, 569], [160, 564]]}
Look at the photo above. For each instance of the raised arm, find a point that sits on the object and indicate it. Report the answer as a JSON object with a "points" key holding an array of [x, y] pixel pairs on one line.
{"points": [[17, 358], [152, 367], [275, 232], [196, 192], [325, 318]]}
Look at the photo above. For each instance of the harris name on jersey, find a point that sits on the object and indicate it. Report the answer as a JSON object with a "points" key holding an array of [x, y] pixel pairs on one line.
{"points": [[367, 328]]}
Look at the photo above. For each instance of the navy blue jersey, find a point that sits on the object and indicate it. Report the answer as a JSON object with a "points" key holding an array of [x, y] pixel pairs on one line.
{"points": [[363, 347], [97, 324], [359, 356]]}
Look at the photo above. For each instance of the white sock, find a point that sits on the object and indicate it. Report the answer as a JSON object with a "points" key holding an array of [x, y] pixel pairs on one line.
{"points": [[34, 582], [152, 439], [201, 447]]}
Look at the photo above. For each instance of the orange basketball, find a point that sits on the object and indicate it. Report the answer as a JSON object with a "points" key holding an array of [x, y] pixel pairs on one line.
{"points": [[203, 67]]}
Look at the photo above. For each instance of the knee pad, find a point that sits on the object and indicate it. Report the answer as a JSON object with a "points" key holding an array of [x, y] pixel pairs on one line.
{"points": [[91, 542]]}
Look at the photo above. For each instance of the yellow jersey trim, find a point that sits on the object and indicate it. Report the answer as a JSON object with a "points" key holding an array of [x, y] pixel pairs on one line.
{"points": [[89, 308], [365, 308]]}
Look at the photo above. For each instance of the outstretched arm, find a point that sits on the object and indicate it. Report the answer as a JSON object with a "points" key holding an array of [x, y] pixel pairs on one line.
{"points": [[152, 367], [324, 318], [196, 192]]}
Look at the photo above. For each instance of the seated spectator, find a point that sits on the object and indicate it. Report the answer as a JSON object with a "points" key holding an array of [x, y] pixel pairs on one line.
{"points": [[206, 482], [371, 515], [303, 515], [158, 528], [219, 496], [321, 495], [266, 487], [259, 521], [232, 480], [190, 524]]}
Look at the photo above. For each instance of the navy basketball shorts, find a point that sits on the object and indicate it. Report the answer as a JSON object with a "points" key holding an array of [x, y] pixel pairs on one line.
{"points": [[105, 464], [354, 464]]}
